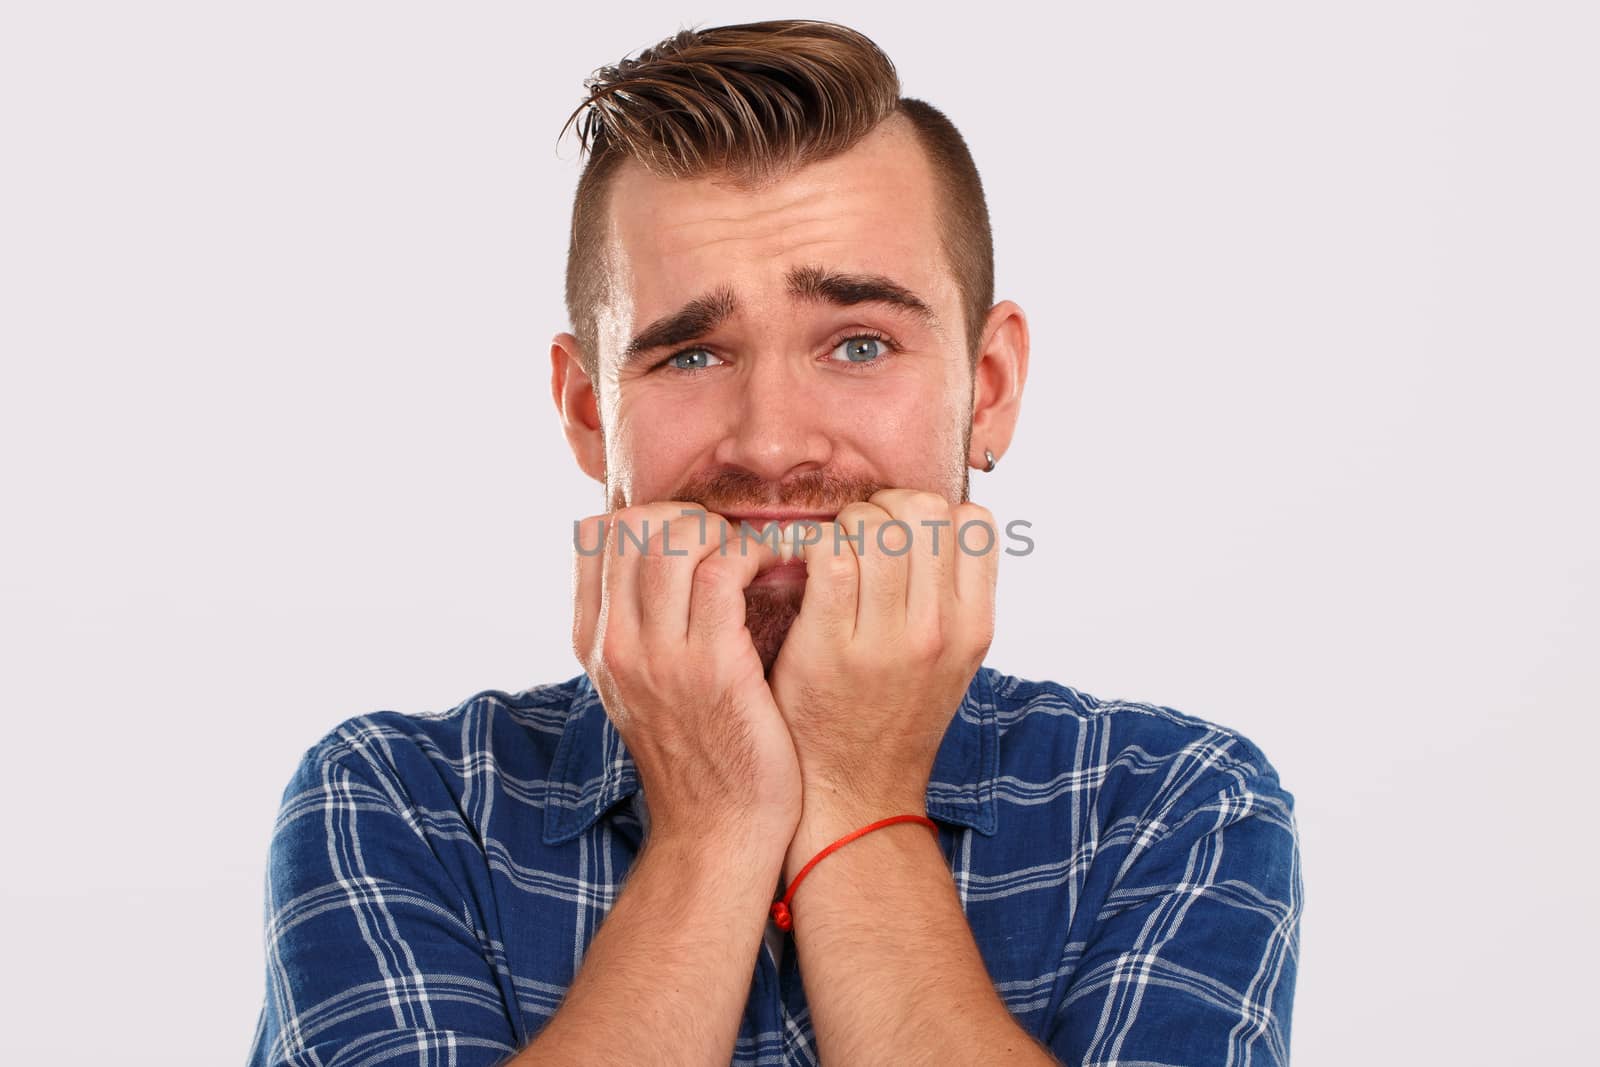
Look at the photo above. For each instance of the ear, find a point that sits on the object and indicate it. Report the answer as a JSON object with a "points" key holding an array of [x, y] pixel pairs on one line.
{"points": [[997, 381], [578, 405]]}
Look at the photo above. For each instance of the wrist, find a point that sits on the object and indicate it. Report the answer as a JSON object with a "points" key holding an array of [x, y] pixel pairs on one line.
{"points": [[732, 852], [825, 805], [821, 824]]}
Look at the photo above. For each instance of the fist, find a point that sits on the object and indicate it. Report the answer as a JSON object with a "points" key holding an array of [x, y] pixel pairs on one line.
{"points": [[658, 625], [897, 616]]}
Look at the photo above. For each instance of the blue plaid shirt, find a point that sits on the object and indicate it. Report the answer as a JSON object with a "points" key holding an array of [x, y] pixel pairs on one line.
{"points": [[1130, 874]]}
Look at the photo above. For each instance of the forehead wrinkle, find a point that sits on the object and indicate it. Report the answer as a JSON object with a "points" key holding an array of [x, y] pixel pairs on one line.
{"points": [[741, 208], [823, 206], [785, 238]]}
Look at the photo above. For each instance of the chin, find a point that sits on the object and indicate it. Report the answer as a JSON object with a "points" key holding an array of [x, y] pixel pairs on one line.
{"points": [[769, 611]]}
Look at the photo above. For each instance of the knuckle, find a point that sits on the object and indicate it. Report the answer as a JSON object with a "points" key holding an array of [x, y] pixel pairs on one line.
{"points": [[711, 574], [655, 560], [858, 511], [926, 504], [655, 579], [886, 535], [984, 637], [616, 650], [927, 643], [834, 562], [977, 628], [893, 495], [968, 511]]}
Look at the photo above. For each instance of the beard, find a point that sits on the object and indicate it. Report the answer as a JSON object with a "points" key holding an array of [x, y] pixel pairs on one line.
{"points": [[768, 614]]}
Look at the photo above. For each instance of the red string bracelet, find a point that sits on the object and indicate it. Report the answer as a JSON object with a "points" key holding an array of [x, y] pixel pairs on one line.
{"points": [[780, 908]]}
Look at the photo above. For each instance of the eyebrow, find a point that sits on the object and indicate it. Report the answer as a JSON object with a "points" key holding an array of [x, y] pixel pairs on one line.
{"points": [[698, 317], [830, 287], [810, 283]]}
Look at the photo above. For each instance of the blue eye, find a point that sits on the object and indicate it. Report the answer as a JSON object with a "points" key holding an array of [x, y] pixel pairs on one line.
{"points": [[691, 359], [862, 349]]}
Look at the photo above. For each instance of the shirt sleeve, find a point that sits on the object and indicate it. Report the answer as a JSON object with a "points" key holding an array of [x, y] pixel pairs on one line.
{"points": [[371, 953], [1192, 958]]}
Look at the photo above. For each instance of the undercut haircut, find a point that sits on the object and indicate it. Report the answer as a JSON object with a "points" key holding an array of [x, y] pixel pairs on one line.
{"points": [[752, 103]]}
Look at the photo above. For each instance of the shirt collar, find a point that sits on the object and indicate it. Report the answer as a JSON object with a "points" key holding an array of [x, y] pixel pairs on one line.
{"points": [[592, 770]]}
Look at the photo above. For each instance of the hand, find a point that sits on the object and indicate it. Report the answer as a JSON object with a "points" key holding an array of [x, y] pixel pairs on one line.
{"points": [[883, 649], [661, 634]]}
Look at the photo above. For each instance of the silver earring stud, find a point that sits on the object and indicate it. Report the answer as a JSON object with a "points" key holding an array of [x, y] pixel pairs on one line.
{"points": [[988, 459]]}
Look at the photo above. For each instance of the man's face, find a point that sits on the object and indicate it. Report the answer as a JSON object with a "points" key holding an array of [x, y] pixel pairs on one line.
{"points": [[792, 386]]}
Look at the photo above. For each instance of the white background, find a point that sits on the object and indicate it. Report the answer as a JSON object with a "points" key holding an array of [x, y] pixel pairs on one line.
{"points": [[1308, 446]]}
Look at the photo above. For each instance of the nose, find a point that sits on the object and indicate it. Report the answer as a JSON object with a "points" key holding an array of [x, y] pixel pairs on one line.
{"points": [[778, 425]]}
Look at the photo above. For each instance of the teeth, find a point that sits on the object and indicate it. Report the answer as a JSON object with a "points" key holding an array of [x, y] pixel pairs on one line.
{"points": [[774, 533], [788, 539]]}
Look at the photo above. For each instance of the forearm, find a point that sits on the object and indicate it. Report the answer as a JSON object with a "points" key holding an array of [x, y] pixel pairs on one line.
{"points": [[892, 973], [667, 976]]}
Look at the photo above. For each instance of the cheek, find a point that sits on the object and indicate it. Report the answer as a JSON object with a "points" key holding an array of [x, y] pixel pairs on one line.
{"points": [[653, 447], [908, 433]]}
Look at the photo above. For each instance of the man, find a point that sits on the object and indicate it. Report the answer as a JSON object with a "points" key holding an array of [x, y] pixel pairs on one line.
{"points": [[780, 283]]}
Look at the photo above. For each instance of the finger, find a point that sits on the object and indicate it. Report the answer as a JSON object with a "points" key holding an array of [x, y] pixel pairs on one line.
{"points": [[717, 585], [930, 578], [977, 557], [627, 545], [588, 544], [829, 605], [665, 573], [884, 557]]}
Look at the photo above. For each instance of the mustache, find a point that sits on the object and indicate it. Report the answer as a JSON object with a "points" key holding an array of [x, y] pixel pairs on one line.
{"points": [[733, 489]]}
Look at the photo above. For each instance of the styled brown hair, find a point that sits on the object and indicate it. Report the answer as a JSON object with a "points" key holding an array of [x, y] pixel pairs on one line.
{"points": [[756, 101]]}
